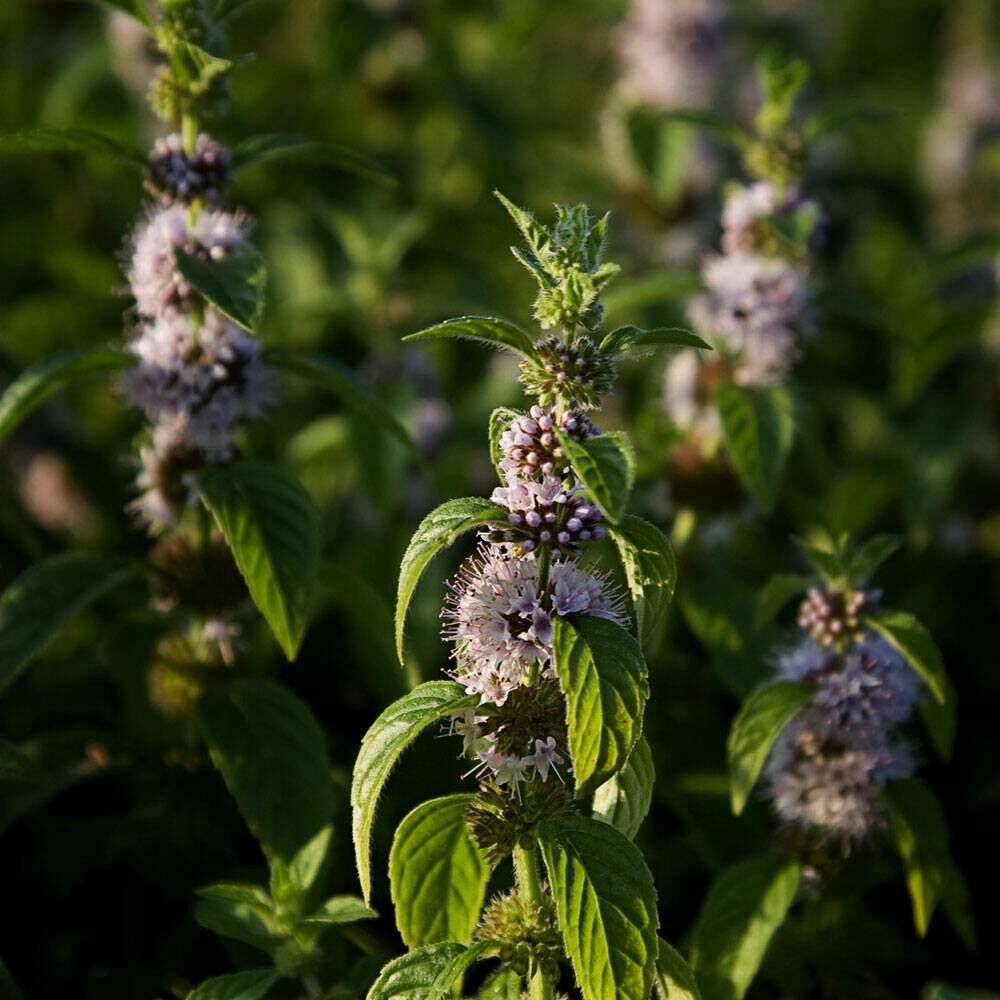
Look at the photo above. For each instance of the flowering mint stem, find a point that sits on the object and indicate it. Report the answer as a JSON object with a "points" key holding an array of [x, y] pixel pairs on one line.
{"points": [[189, 133], [529, 884]]}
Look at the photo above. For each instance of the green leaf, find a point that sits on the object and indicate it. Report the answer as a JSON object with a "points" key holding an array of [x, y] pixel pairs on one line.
{"points": [[235, 285], [427, 973], [500, 420], [390, 734], [738, 918], [241, 893], [758, 426], [758, 724], [71, 140], [920, 833], [940, 719], [863, 563], [36, 384], [253, 984], [674, 977], [273, 757], [776, 593], [728, 131], [914, 642], [650, 570], [343, 383], [272, 527], [623, 800], [301, 872], [485, 330], [439, 529], [341, 910], [625, 338], [606, 466], [606, 905], [279, 146], [437, 874], [504, 984], [46, 596], [603, 675], [238, 922]]}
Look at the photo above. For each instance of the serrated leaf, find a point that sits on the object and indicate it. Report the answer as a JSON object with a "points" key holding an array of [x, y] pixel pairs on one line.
{"points": [[626, 338], [36, 384], [343, 383], [390, 734], [253, 984], [776, 593], [341, 910], [415, 976], [863, 563], [439, 529], [485, 330], [281, 146], [46, 596], [920, 833], [606, 904], [272, 528], [235, 285], [915, 644], [71, 140], [760, 721], [605, 465], [650, 570], [623, 800], [603, 675], [500, 420], [674, 977], [757, 426], [273, 757], [743, 910], [437, 874]]}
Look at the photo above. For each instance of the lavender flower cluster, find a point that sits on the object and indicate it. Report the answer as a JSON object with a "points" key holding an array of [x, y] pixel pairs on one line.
{"points": [[754, 311], [826, 770], [500, 609], [198, 377]]}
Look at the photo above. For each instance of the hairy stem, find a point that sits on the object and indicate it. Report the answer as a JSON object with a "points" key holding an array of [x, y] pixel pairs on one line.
{"points": [[529, 883]]}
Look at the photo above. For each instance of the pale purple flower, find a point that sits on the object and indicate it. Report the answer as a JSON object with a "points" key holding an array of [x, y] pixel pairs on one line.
{"points": [[544, 758], [156, 284], [749, 206], [547, 510], [176, 175], [531, 448], [495, 616]]}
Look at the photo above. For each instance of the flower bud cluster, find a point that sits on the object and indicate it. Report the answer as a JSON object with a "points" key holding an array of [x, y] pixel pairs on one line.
{"points": [[577, 372], [528, 932], [174, 175], [834, 617], [530, 446], [198, 377], [545, 512], [826, 770]]}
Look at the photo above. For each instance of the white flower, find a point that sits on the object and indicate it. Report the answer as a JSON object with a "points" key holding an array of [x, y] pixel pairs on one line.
{"points": [[544, 757], [156, 284]]}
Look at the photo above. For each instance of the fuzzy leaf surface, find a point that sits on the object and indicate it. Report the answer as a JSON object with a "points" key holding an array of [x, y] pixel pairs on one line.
{"points": [[743, 910], [606, 905], [49, 594], [674, 977], [253, 984], [437, 874], [603, 675], [341, 910], [500, 419], [426, 973], [273, 757], [390, 734], [623, 800], [758, 426], [439, 529], [606, 466], [36, 384], [272, 528], [650, 570], [759, 722]]}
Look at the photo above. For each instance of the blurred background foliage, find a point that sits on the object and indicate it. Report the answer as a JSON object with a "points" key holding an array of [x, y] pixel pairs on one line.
{"points": [[897, 401]]}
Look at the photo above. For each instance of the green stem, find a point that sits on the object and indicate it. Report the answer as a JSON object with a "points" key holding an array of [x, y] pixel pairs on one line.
{"points": [[528, 876], [189, 132]]}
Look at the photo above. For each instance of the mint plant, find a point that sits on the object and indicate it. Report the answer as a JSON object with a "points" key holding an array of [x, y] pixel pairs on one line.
{"points": [[547, 686]]}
